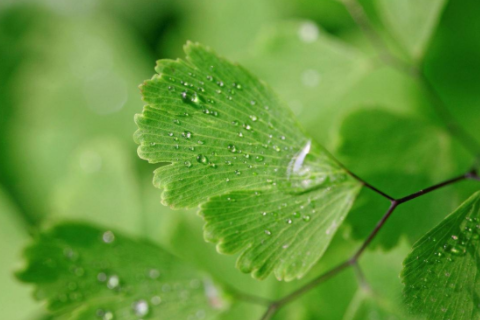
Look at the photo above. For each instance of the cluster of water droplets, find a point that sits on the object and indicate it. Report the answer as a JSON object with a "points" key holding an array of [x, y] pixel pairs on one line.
{"points": [[196, 93], [143, 292], [443, 272]]}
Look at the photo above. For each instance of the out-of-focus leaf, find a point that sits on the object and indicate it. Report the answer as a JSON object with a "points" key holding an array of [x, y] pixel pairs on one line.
{"points": [[226, 134], [441, 273], [411, 22], [310, 69], [101, 187], [229, 27], [84, 272], [15, 298], [85, 85]]}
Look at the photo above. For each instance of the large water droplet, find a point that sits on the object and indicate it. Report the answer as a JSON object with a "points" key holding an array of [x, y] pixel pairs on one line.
{"points": [[202, 159], [303, 174]]}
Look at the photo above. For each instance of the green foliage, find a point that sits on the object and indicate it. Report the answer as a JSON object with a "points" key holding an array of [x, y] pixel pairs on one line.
{"points": [[68, 76], [441, 273], [300, 60], [84, 272], [227, 135], [411, 22], [407, 154]]}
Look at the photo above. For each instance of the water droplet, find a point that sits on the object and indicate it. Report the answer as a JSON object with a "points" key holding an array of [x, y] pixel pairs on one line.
{"points": [[113, 282], [202, 159], [108, 237], [254, 118], [259, 158], [302, 174], [187, 164], [232, 148], [268, 233], [253, 102], [140, 308], [176, 121], [306, 218], [200, 142], [288, 221], [187, 134]]}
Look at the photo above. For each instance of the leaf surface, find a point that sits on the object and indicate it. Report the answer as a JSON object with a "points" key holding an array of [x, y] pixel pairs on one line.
{"points": [[272, 192], [86, 273], [441, 273]]}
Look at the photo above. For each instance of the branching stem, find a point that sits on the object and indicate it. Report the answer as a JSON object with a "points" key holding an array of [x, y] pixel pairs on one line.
{"points": [[467, 140], [353, 260]]}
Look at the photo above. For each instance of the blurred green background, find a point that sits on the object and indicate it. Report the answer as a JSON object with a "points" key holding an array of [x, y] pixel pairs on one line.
{"points": [[69, 72]]}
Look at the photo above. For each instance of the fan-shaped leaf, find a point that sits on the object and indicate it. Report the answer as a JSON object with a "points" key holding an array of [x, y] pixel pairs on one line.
{"points": [[225, 133], [441, 273]]}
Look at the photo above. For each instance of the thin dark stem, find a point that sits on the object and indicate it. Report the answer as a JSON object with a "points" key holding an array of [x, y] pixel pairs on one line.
{"points": [[467, 175], [353, 260], [369, 186], [467, 140], [374, 232]]}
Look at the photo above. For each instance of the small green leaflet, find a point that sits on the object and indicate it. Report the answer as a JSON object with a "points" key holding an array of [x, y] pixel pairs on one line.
{"points": [[441, 273], [86, 273], [267, 189], [411, 22]]}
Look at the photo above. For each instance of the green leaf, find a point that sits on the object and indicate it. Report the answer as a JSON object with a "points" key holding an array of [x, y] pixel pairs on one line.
{"points": [[441, 273], [411, 22], [84, 272], [224, 133]]}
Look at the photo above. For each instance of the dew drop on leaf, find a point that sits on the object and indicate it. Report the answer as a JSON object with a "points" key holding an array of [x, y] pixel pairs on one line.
{"points": [[202, 159]]}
